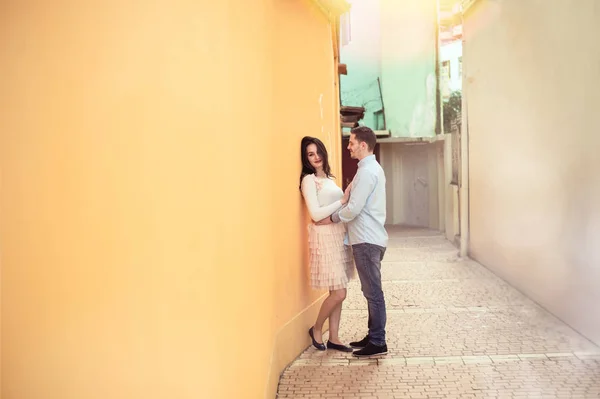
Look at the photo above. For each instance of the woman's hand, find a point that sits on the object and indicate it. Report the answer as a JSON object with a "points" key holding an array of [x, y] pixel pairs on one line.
{"points": [[346, 198]]}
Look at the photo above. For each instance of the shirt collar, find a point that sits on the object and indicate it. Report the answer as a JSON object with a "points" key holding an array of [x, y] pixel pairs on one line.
{"points": [[366, 159]]}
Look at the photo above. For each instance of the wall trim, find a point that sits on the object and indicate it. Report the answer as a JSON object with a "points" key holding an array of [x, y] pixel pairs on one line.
{"points": [[289, 342], [332, 8], [466, 4]]}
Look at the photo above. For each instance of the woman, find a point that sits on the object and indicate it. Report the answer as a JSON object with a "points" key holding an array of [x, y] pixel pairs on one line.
{"points": [[331, 264]]}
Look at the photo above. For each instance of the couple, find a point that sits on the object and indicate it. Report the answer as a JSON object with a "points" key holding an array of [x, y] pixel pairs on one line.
{"points": [[362, 209]]}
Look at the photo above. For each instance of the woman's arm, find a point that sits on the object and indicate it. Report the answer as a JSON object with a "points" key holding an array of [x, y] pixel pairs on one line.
{"points": [[309, 191]]}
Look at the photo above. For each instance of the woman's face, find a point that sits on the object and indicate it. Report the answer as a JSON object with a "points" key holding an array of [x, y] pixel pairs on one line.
{"points": [[313, 156]]}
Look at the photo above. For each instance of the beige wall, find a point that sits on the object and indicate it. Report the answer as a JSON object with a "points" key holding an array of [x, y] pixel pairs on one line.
{"points": [[153, 237], [533, 92], [450, 195]]}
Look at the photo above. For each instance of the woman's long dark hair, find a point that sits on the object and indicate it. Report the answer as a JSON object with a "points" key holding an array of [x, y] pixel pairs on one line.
{"points": [[307, 168]]}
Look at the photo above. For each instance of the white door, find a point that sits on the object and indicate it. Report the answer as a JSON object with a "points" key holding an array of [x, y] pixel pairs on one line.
{"points": [[416, 185]]}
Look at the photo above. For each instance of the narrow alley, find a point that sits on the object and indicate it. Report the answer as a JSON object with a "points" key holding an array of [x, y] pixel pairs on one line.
{"points": [[454, 330]]}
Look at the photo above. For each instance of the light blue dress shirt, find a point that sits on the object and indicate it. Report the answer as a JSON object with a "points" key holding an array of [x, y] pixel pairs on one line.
{"points": [[365, 212]]}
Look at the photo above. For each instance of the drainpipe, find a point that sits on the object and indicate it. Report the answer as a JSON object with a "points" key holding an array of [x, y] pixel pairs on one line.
{"points": [[464, 166], [464, 188], [438, 92]]}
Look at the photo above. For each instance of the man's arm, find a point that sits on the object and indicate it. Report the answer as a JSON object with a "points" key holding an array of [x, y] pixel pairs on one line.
{"points": [[362, 187]]}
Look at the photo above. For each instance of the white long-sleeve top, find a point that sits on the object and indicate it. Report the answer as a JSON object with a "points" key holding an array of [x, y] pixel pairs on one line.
{"points": [[322, 196]]}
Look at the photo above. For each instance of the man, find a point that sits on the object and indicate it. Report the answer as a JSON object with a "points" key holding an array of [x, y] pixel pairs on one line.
{"points": [[365, 217]]}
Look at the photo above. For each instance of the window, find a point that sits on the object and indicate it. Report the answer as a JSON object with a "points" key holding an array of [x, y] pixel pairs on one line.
{"points": [[445, 79], [445, 72], [460, 67], [345, 30]]}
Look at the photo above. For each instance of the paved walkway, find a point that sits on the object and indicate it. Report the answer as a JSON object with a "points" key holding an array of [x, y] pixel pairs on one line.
{"points": [[454, 330]]}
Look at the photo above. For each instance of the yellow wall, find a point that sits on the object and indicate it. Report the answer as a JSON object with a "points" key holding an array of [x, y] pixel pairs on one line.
{"points": [[305, 102], [531, 84], [152, 233]]}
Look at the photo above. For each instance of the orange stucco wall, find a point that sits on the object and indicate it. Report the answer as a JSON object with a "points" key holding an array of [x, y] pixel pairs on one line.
{"points": [[152, 234]]}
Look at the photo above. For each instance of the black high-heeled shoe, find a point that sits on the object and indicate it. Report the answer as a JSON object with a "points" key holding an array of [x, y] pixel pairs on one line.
{"points": [[319, 346]]}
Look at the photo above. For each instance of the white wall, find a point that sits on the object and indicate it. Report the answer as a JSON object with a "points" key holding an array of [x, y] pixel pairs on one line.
{"points": [[533, 92], [451, 52]]}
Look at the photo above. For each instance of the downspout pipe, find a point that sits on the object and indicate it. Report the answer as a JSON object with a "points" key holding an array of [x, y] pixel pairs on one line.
{"points": [[464, 165]]}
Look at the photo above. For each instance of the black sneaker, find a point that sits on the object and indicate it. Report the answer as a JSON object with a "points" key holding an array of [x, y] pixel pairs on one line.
{"points": [[371, 350], [360, 344]]}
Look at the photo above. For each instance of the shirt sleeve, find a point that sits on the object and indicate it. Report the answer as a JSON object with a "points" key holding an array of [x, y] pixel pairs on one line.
{"points": [[362, 187], [309, 191]]}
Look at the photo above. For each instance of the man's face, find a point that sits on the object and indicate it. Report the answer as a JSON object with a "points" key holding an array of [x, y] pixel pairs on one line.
{"points": [[355, 147]]}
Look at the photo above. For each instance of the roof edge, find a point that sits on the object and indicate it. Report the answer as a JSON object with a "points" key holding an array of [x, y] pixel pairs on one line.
{"points": [[333, 8], [466, 4]]}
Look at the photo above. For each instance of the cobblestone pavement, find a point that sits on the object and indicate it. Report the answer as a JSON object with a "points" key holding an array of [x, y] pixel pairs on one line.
{"points": [[454, 330]]}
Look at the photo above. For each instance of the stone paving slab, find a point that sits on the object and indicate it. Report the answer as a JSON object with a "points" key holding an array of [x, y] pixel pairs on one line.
{"points": [[455, 330], [420, 242], [398, 232], [508, 331], [566, 378], [471, 333], [422, 254], [441, 293], [433, 271]]}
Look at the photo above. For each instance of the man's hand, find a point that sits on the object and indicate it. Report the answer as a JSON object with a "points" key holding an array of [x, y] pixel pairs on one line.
{"points": [[325, 221]]}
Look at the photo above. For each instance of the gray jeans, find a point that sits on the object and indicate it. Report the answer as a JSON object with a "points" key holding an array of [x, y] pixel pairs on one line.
{"points": [[368, 259]]}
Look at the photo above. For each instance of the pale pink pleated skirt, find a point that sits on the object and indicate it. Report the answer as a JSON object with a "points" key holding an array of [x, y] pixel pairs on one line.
{"points": [[331, 262]]}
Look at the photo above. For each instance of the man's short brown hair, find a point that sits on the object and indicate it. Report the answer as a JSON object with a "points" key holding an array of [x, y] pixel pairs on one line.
{"points": [[366, 135]]}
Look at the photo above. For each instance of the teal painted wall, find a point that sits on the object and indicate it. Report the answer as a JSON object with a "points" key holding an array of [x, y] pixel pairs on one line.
{"points": [[361, 89], [394, 40], [363, 57]]}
